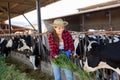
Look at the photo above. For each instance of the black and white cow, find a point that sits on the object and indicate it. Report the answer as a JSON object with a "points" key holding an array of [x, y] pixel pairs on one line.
{"points": [[103, 56], [8, 44], [26, 43], [99, 55], [5, 46], [40, 53], [24, 46], [33, 53], [33, 50]]}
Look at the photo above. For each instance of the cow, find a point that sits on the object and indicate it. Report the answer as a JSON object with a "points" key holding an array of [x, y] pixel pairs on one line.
{"points": [[5, 46], [35, 57], [33, 53], [103, 56], [30, 49], [23, 46], [15, 43], [8, 44], [88, 49], [20, 44], [39, 55], [26, 43]]}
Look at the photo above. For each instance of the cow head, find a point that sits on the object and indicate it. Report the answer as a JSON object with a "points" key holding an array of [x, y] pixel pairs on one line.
{"points": [[6, 46], [23, 46], [15, 42], [92, 58], [85, 44]]}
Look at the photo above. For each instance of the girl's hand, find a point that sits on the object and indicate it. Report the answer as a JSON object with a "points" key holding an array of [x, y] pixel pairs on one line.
{"points": [[68, 53]]}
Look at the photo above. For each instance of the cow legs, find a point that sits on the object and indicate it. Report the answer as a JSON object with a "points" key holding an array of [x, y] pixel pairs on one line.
{"points": [[32, 60], [5, 53], [114, 76]]}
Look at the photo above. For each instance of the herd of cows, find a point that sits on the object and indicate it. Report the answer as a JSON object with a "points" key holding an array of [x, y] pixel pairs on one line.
{"points": [[94, 51], [27, 45]]}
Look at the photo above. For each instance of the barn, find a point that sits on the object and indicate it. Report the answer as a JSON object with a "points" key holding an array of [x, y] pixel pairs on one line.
{"points": [[98, 17]]}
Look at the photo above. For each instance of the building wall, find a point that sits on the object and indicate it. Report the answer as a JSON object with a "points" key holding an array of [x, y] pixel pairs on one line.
{"points": [[94, 20], [100, 19], [115, 19], [74, 23], [97, 20]]}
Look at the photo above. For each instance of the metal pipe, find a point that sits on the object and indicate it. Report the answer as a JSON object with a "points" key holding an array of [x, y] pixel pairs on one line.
{"points": [[29, 22], [9, 18], [39, 26], [38, 16]]}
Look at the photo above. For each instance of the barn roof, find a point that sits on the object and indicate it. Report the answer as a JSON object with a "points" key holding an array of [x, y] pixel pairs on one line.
{"points": [[19, 7], [93, 8], [117, 5], [99, 5]]}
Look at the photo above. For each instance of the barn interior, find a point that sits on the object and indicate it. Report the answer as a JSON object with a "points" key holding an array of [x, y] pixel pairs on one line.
{"points": [[98, 17]]}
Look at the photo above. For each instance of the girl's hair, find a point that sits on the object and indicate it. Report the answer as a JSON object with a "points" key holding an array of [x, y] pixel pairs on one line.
{"points": [[55, 37]]}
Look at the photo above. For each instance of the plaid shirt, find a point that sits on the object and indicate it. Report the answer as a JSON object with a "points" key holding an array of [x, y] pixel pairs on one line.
{"points": [[68, 43]]}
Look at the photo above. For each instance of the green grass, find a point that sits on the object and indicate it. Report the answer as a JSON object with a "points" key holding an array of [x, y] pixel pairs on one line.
{"points": [[64, 62], [11, 73], [34, 74]]}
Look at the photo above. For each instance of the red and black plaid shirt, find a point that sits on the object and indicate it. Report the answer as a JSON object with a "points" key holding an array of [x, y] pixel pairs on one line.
{"points": [[68, 43]]}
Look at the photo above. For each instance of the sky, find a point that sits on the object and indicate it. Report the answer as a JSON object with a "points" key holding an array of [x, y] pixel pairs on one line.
{"points": [[63, 7]]}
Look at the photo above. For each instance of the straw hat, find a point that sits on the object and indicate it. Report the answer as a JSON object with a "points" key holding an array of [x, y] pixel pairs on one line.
{"points": [[59, 22]]}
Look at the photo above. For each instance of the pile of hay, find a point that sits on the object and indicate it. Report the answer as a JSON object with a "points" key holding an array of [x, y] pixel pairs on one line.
{"points": [[34, 74]]}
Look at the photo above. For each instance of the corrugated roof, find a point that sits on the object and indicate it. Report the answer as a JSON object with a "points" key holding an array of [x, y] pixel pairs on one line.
{"points": [[19, 7]]}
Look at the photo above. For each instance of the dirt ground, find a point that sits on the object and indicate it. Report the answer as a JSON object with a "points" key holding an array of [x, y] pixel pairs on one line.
{"points": [[34, 74]]}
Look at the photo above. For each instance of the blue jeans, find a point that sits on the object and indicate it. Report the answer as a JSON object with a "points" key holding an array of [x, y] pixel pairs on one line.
{"points": [[57, 73]]}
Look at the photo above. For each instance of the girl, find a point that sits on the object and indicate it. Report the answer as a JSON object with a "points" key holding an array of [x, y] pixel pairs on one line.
{"points": [[60, 40]]}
